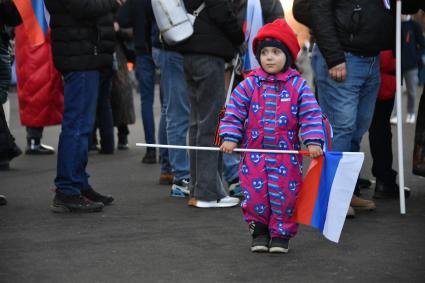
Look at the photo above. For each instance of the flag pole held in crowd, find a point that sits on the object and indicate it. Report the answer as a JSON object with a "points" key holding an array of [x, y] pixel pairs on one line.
{"points": [[218, 149], [326, 191]]}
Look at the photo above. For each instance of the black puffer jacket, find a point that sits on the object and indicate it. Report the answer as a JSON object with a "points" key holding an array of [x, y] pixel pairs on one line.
{"points": [[8, 16], [338, 26], [83, 37], [412, 6], [216, 30]]}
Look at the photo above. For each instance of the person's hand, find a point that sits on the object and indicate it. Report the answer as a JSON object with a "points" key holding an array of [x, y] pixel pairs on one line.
{"points": [[228, 146], [338, 72], [120, 2], [314, 150], [116, 27]]}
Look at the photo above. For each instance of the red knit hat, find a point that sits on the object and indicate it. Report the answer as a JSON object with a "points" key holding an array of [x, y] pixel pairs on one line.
{"points": [[281, 31]]}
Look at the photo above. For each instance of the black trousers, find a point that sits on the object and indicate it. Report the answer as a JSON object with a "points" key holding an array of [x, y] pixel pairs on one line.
{"points": [[420, 122], [6, 139], [380, 141]]}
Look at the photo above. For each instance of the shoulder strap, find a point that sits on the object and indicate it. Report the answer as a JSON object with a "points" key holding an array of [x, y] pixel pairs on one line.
{"points": [[199, 10]]}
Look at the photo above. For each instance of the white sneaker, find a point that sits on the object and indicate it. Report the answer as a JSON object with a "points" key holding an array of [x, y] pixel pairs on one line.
{"points": [[224, 202], [410, 118], [393, 120]]}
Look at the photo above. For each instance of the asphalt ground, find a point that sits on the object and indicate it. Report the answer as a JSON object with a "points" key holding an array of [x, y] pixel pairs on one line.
{"points": [[148, 236]]}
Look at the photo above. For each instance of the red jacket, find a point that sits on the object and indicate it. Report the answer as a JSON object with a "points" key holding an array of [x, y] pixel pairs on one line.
{"points": [[40, 85], [388, 78]]}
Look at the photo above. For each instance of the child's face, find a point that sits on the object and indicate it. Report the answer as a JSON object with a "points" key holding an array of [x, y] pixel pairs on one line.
{"points": [[272, 59]]}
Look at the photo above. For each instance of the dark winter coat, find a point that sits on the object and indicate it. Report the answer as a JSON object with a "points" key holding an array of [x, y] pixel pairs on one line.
{"points": [[412, 44], [339, 26], [272, 10], [8, 16], [83, 37], [216, 30], [138, 14]]}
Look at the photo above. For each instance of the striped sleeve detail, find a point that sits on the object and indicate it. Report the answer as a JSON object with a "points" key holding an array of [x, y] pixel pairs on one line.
{"points": [[309, 114], [237, 109]]}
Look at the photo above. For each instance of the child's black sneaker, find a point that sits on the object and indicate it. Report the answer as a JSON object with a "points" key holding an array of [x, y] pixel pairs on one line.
{"points": [[260, 237], [279, 245], [76, 203]]}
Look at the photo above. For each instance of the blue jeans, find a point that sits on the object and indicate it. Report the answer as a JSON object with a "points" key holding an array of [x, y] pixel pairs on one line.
{"points": [[349, 104], [145, 73], [175, 109], [230, 167], [80, 95], [164, 158]]}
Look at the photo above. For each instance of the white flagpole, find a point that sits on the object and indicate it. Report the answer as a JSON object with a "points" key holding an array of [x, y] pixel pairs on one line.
{"points": [[399, 110], [236, 149], [232, 79], [218, 149]]}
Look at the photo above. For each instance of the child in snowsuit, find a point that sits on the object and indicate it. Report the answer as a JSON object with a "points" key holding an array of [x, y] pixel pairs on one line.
{"points": [[268, 110]]}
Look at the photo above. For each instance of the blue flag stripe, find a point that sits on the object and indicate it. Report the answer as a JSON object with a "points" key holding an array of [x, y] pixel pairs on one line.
{"points": [[330, 166]]}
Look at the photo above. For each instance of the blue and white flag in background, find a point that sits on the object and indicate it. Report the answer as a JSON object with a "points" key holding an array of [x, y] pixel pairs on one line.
{"points": [[253, 22]]}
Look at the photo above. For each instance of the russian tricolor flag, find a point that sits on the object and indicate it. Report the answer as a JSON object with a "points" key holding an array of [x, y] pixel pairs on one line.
{"points": [[327, 191], [34, 19], [254, 21]]}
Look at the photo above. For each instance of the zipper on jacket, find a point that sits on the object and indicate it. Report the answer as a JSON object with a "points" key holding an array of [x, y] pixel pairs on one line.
{"points": [[95, 50]]}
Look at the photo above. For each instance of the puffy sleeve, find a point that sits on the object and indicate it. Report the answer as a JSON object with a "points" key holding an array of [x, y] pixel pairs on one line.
{"points": [[309, 117]]}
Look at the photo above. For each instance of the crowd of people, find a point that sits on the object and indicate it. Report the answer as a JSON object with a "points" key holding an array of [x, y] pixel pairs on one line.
{"points": [[85, 85]]}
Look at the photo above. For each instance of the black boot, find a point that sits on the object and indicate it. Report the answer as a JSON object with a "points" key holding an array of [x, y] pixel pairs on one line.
{"points": [[419, 160], [260, 237], [34, 147], [74, 203], [388, 191], [7, 156], [14, 151], [150, 156]]}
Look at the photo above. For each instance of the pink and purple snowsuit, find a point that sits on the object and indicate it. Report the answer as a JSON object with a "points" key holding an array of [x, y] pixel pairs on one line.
{"points": [[270, 112]]}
